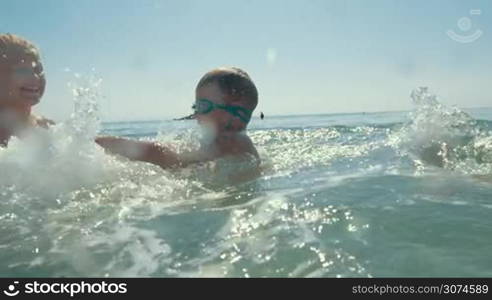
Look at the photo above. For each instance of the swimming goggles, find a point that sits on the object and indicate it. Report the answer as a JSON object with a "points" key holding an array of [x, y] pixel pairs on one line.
{"points": [[205, 106]]}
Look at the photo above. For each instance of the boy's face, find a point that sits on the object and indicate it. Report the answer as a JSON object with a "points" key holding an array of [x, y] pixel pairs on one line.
{"points": [[219, 120], [22, 83]]}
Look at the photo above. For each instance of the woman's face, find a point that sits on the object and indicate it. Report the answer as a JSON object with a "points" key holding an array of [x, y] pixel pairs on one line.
{"points": [[22, 84]]}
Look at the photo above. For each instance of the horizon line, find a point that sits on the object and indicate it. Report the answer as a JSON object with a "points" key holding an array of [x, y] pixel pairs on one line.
{"points": [[168, 118]]}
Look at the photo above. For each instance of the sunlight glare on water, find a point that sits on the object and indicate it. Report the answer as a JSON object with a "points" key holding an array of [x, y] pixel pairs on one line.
{"points": [[363, 196]]}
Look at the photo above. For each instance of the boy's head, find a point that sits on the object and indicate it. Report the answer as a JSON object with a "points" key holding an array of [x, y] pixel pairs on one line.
{"points": [[225, 99], [22, 81]]}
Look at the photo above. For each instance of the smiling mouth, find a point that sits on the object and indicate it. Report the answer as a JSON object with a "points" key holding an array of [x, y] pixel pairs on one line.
{"points": [[31, 91]]}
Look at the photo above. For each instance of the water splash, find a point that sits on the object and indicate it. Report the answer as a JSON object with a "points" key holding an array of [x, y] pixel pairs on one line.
{"points": [[442, 136], [85, 119], [66, 205], [68, 209], [64, 157]]}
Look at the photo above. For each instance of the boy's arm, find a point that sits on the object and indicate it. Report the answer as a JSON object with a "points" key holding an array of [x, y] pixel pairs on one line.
{"points": [[142, 151]]}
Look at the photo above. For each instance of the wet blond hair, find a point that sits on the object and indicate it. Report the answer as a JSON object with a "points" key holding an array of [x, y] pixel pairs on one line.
{"points": [[14, 48]]}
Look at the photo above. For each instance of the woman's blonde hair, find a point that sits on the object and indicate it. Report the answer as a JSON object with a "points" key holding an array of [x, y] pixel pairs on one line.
{"points": [[14, 48]]}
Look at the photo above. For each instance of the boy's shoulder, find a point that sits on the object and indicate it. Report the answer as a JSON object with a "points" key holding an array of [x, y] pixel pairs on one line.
{"points": [[242, 144]]}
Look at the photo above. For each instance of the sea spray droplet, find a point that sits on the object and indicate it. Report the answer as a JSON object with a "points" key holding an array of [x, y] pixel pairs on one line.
{"points": [[85, 120]]}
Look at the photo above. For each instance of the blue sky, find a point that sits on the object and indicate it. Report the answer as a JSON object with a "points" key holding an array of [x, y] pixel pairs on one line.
{"points": [[311, 56]]}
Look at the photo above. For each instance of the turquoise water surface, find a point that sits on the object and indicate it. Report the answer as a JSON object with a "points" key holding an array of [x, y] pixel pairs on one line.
{"points": [[346, 195]]}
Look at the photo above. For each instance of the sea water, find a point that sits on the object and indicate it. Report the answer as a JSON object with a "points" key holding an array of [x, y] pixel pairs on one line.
{"points": [[340, 195]]}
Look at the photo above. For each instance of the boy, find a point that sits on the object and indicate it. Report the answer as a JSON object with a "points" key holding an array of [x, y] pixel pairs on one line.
{"points": [[225, 101], [22, 84]]}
